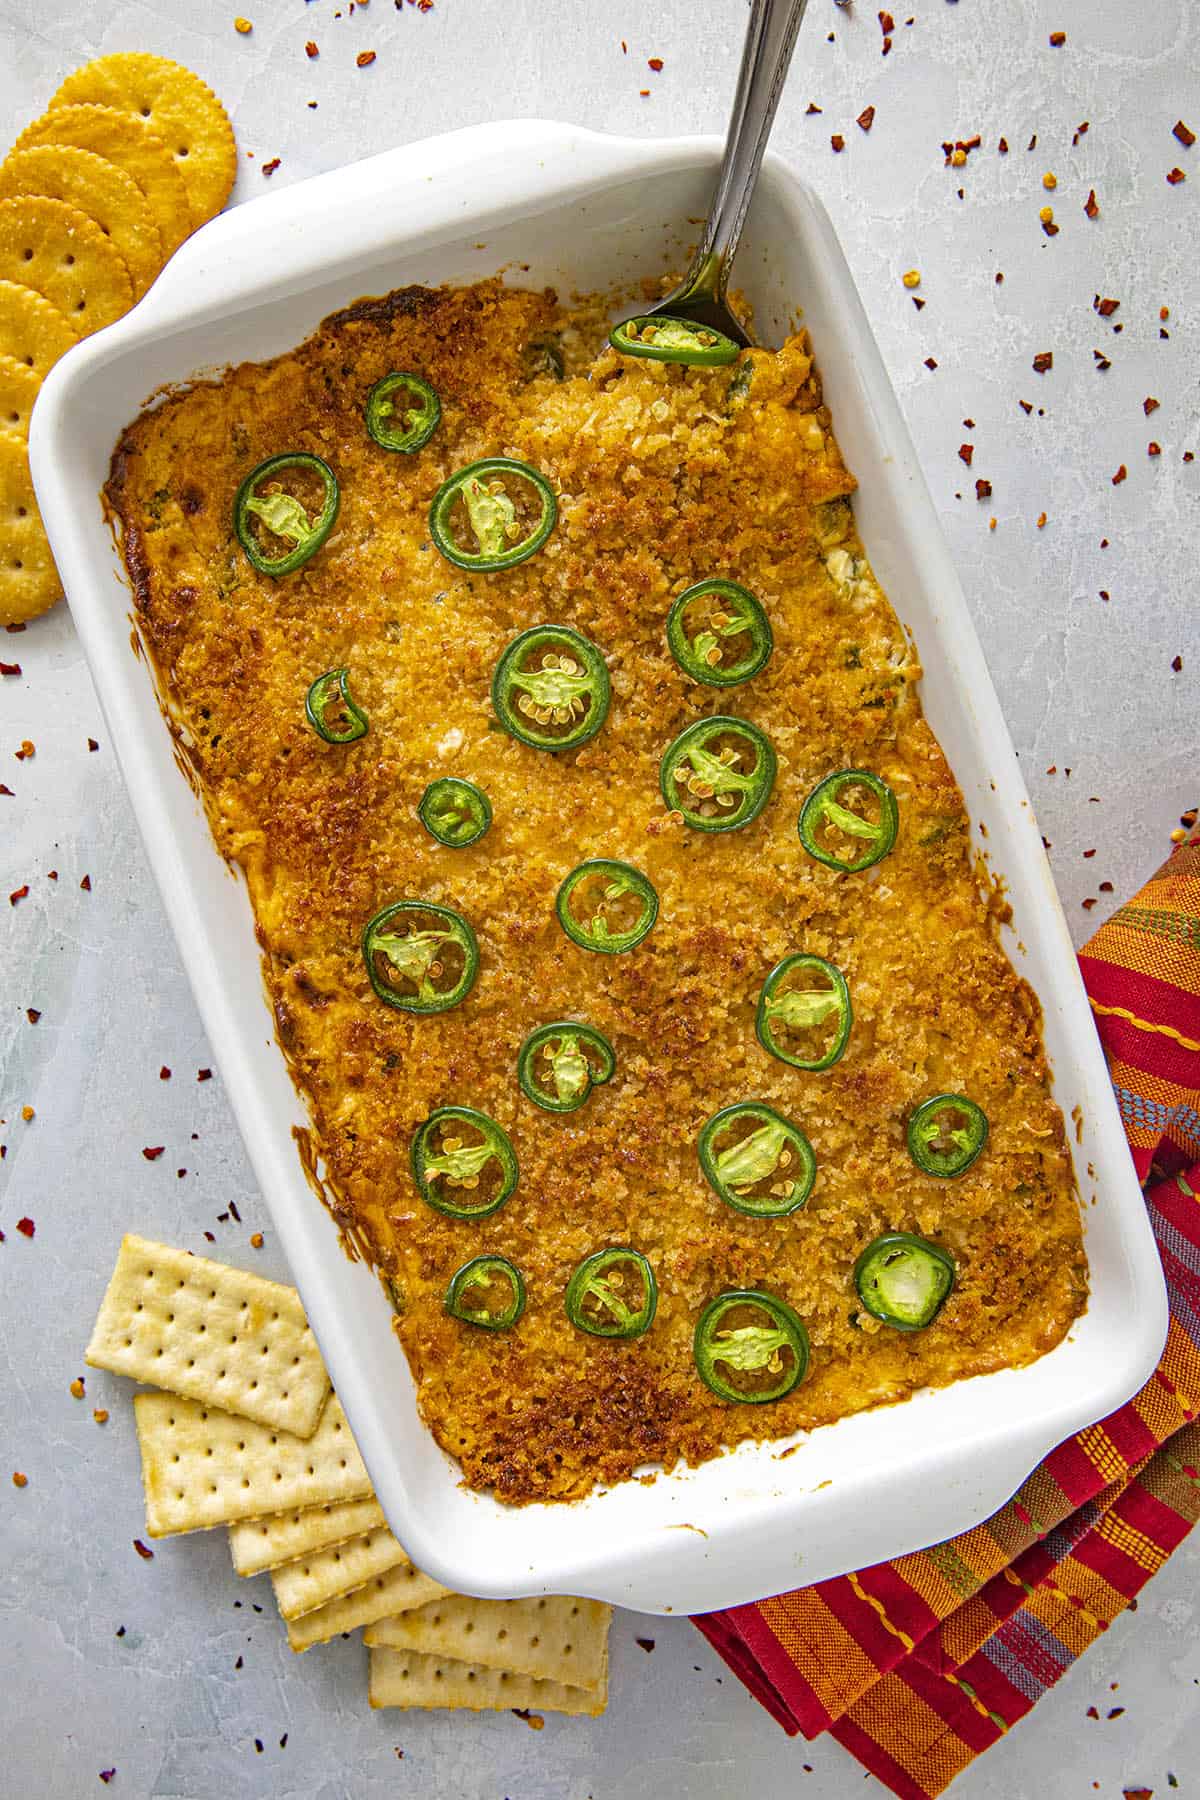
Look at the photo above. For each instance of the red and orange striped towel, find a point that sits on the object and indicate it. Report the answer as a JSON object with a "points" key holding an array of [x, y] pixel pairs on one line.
{"points": [[919, 1664]]}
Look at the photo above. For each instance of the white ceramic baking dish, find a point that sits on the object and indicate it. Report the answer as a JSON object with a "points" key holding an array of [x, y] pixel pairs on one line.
{"points": [[551, 204]]}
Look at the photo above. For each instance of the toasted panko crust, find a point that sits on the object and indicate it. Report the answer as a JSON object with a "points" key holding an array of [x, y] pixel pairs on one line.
{"points": [[665, 475]]}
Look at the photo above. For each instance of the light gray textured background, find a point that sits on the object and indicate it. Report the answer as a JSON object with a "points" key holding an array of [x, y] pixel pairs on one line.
{"points": [[1087, 687]]}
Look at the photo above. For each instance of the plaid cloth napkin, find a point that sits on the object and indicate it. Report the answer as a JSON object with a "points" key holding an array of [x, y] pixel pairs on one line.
{"points": [[919, 1664]]}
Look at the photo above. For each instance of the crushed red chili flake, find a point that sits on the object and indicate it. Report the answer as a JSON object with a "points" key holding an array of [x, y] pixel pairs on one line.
{"points": [[365, 58], [1114, 1712], [811, 109], [233, 1209], [644, 93], [32, 1014], [534, 1720], [918, 303], [269, 168], [145, 1554], [1087, 907], [1093, 1712], [1106, 887], [1042, 361], [10, 668], [1137, 1793], [26, 750], [646, 1644], [930, 362], [1153, 448], [26, 1227], [1175, 176], [1120, 475], [1177, 664], [164, 1074], [1106, 308], [92, 744], [86, 884], [1101, 361], [51, 874], [1088, 853], [1104, 594], [1040, 521], [153, 1152], [1180, 130], [983, 489], [18, 894], [1057, 39], [310, 50], [203, 1074], [866, 118], [6, 791], [655, 63], [1048, 225], [1091, 206], [1026, 406], [1032, 144], [886, 23], [965, 453], [19, 1480], [837, 141], [1189, 456], [1150, 404], [106, 1775]]}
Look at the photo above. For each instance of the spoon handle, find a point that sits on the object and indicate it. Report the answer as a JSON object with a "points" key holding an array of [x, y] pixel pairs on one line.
{"points": [[770, 38]]}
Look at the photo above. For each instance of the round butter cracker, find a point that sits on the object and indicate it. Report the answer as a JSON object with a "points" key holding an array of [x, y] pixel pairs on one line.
{"points": [[19, 386], [98, 188], [125, 139], [177, 106], [64, 256], [29, 582], [32, 331]]}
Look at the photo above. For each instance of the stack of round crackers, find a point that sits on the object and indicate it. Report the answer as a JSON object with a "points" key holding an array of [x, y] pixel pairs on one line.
{"points": [[133, 154]]}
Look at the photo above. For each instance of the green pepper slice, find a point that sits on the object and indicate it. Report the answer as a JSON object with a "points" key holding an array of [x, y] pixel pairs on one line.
{"points": [[904, 1280], [426, 969], [765, 1167], [606, 906], [330, 709], [946, 1134], [395, 426], [463, 1163], [662, 338], [551, 688], [301, 521], [705, 774], [804, 1013], [560, 1063], [482, 1277], [594, 1302], [493, 514], [718, 633], [826, 824], [455, 812], [760, 1361]]}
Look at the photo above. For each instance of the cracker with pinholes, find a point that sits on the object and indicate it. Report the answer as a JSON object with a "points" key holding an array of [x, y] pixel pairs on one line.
{"points": [[127, 140], [397, 1590], [258, 1544], [202, 1467], [64, 256], [219, 1335], [29, 582], [550, 1637], [19, 386], [98, 188], [406, 1678], [312, 1581], [32, 331], [177, 106]]}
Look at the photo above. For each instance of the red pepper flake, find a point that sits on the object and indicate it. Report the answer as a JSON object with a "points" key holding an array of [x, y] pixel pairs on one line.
{"points": [[19, 1480], [1040, 521], [1042, 361], [32, 1014], [106, 1775], [233, 1209], [983, 489], [311, 51], [1104, 594], [26, 750], [1048, 225], [887, 24], [647, 1644], [1177, 664], [1189, 456], [1026, 406], [1032, 144], [1088, 853], [1114, 1712], [1106, 308], [18, 894], [837, 141], [1153, 448], [1137, 1793], [1187, 138], [866, 118], [645, 93], [51, 874], [1093, 1712], [965, 453], [203, 1074], [930, 363], [26, 1227], [1120, 475], [1091, 205], [6, 791], [365, 58], [153, 1152], [1087, 907], [1106, 887], [92, 744], [164, 1074], [655, 63], [918, 302], [145, 1554], [86, 884], [1150, 404], [1101, 361], [1002, 146], [1175, 176], [1057, 39], [269, 168], [10, 668], [812, 108]]}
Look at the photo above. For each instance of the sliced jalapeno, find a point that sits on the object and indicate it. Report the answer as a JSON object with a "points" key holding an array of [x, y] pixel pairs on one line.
{"points": [[756, 1161], [300, 522], [455, 812], [718, 773], [662, 338], [330, 709], [463, 1163], [392, 424], [904, 1280], [551, 688], [561, 1063], [946, 1134], [804, 1013], [606, 906], [849, 836], [718, 633], [420, 957], [599, 1301], [489, 1291], [760, 1344], [493, 514]]}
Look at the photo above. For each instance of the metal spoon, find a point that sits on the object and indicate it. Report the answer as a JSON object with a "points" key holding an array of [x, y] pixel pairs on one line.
{"points": [[770, 37]]}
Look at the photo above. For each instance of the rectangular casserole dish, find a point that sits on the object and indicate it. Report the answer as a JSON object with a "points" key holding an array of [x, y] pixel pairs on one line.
{"points": [[550, 204]]}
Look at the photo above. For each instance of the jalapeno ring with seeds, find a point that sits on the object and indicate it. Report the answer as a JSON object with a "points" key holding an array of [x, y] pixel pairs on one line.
{"points": [[445, 950], [766, 1172], [560, 1063], [458, 1153], [551, 688], [618, 901], [503, 537], [717, 791], [763, 1361], [712, 618]]}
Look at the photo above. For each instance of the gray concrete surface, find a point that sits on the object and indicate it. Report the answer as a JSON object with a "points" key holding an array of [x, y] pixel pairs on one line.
{"points": [[1088, 689]]}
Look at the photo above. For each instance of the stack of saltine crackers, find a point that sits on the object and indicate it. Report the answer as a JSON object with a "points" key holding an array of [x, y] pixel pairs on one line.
{"points": [[132, 155], [247, 1434]]}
